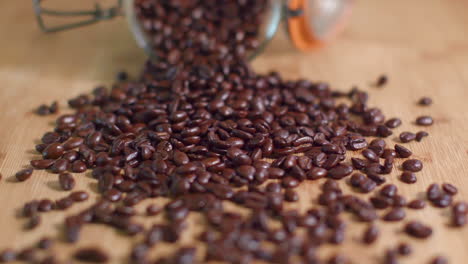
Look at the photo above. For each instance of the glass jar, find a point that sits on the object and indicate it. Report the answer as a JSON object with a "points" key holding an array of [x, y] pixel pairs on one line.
{"points": [[309, 23]]}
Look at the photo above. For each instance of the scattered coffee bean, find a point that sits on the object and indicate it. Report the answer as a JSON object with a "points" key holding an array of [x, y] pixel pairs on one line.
{"points": [[449, 188], [23, 175], [291, 196], [439, 260], [408, 177], [395, 214], [402, 151], [406, 137], [412, 165], [418, 230], [404, 249], [7, 255], [66, 180], [370, 234], [381, 81], [91, 255], [425, 101], [417, 204], [420, 135], [393, 123], [153, 210], [424, 121]]}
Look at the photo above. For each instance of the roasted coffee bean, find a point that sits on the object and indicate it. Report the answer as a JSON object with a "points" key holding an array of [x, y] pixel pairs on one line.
{"points": [[78, 166], [378, 179], [439, 260], [370, 155], [444, 200], [402, 151], [393, 123], [424, 121], [412, 165], [53, 151], [433, 192], [367, 185], [460, 208], [79, 196], [395, 214], [113, 195], [371, 233], [42, 164], [408, 177], [64, 203], [340, 171], [59, 166], [23, 175], [449, 188], [45, 205], [404, 249], [357, 179], [358, 164], [45, 243], [337, 259], [381, 81], [91, 255], [33, 222], [66, 180], [316, 173], [425, 101], [418, 230], [291, 196], [28, 255], [417, 204], [406, 137], [420, 135], [153, 210], [7, 255], [389, 190]]}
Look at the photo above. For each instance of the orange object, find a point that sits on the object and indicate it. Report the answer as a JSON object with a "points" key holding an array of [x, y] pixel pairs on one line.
{"points": [[302, 32]]}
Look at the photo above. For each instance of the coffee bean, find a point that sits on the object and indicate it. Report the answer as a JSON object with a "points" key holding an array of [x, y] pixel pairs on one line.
{"points": [[408, 177], [370, 155], [393, 123], [28, 255], [66, 180], [23, 175], [316, 173], [7, 255], [33, 222], [424, 101], [79, 196], [291, 196], [91, 255], [449, 188], [340, 171], [42, 164], [45, 205], [439, 260], [381, 81], [433, 192], [412, 165], [406, 137], [418, 230], [424, 121], [404, 249], [78, 166], [417, 204], [402, 151], [370, 234], [53, 151], [153, 210], [395, 214], [420, 135]]}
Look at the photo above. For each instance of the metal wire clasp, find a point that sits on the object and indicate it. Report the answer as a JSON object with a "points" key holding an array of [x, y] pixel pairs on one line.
{"points": [[98, 14]]}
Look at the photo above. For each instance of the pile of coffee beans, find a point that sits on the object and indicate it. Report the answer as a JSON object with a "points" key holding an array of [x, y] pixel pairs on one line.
{"points": [[204, 130]]}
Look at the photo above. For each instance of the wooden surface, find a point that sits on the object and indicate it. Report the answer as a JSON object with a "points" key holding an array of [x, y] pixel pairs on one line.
{"points": [[422, 45]]}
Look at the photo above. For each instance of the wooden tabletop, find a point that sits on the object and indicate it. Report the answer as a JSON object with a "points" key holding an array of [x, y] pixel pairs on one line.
{"points": [[422, 45]]}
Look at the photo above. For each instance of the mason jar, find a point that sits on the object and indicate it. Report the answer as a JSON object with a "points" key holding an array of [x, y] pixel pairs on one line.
{"points": [[308, 23]]}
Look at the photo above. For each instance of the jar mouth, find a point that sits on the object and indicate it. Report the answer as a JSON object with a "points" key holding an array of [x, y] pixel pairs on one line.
{"points": [[325, 16], [141, 37]]}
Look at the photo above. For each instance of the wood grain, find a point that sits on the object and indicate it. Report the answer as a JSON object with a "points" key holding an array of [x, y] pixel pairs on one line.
{"points": [[422, 45]]}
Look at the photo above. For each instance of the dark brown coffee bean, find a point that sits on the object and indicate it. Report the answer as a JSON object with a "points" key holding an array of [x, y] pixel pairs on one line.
{"points": [[337, 259], [424, 121], [72, 143], [389, 190], [370, 155], [459, 220], [53, 151], [425, 101], [395, 214], [79, 196], [42, 164], [393, 123], [381, 81], [378, 179], [380, 202], [408, 177], [28, 255], [439, 260], [418, 230], [316, 173], [417, 204], [291, 196], [33, 222], [358, 164], [420, 135], [404, 249], [412, 165], [460, 208], [113, 195], [59, 166], [153, 210], [66, 180], [23, 175], [289, 182], [45, 205], [45, 243], [449, 188], [91, 255], [406, 137], [78, 166], [433, 192], [390, 257], [367, 185], [370, 234], [340, 171], [444, 200], [105, 182], [402, 151], [7, 255], [64, 203]]}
